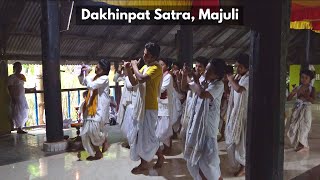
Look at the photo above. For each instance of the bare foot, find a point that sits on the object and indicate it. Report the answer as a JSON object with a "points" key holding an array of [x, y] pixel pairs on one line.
{"points": [[221, 139], [125, 145], [241, 172], [175, 135], [304, 149], [90, 158], [20, 131], [105, 146], [139, 169], [166, 150], [160, 162]]}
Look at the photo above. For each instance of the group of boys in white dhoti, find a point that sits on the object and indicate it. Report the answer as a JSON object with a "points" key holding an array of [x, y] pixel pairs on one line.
{"points": [[161, 99], [204, 105]]}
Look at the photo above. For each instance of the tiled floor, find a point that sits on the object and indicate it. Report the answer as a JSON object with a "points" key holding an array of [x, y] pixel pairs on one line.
{"points": [[22, 158]]}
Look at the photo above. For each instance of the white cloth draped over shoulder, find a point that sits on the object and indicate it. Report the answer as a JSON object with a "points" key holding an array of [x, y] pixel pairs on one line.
{"points": [[94, 131], [187, 111], [204, 120], [201, 148], [19, 105], [236, 124], [237, 112]]}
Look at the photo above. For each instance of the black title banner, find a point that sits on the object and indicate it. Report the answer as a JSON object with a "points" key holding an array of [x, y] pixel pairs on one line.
{"points": [[106, 15]]}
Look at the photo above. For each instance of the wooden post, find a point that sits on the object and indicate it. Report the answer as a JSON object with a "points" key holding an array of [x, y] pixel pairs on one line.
{"points": [[117, 87], [5, 121], [185, 44], [50, 40], [306, 61], [269, 22]]}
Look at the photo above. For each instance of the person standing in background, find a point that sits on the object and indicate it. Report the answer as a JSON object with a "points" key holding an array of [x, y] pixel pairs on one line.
{"points": [[19, 105]]}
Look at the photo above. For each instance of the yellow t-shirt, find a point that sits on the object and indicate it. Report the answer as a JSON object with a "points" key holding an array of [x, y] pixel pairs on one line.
{"points": [[152, 86]]}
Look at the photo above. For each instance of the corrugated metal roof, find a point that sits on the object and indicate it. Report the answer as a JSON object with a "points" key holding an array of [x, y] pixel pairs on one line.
{"points": [[87, 43]]}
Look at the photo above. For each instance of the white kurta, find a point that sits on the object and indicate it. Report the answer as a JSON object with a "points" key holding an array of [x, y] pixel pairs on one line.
{"points": [[236, 123], [94, 131], [165, 121], [300, 123], [201, 144], [19, 105]]}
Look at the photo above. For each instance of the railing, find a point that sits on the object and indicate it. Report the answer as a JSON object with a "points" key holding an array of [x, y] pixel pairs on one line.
{"points": [[69, 97]]}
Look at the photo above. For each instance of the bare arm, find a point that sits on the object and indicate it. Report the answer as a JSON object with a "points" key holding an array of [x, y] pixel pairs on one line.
{"points": [[312, 96], [131, 77], [184, 83], [140, 77], [200, 91], [235, 85], [291, 95]]}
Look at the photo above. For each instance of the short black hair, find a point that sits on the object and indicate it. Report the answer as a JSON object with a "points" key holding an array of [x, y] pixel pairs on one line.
{"points": [[229, 69], [153, 49], [243, 59], [105, 65], [167, 61], [17, 64], [219, 67], [177, 63], [202, 60], [308, 73]]}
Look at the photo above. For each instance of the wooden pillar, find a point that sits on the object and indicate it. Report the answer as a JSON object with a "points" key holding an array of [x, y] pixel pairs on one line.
{"points": [[117, 87], [185, 44], [5, 121], [50, 40], [305, 62], [269, 22]]}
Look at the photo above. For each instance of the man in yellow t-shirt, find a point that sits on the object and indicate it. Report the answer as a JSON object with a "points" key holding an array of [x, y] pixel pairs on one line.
{"points": [[146, 144]]}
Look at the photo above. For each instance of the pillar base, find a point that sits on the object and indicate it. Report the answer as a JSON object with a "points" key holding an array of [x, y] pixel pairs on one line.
{"points": [[55, 146]]}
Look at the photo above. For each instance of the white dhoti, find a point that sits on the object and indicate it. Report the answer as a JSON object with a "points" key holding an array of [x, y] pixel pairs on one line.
{"points": [[201, 148], [209, 163], [164, 129], [143, 140], [19, 106], [127, 123], [236, 124], [19, 111], [237, 152], [300, 124], [93, 133]]}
